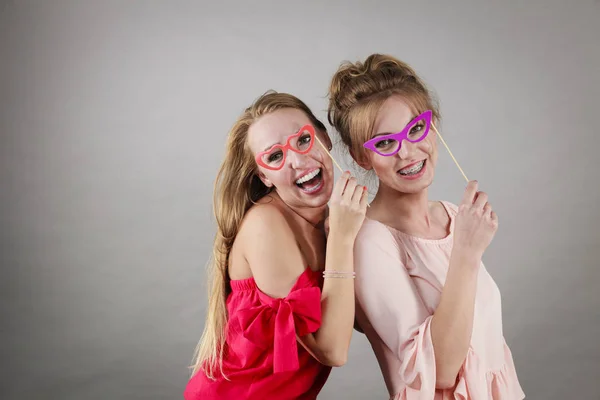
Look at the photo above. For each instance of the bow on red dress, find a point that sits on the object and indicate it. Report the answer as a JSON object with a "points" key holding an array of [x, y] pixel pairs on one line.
{"points": [[278, 321]]}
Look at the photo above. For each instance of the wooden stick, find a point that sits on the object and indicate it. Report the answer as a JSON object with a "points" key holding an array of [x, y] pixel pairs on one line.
{"points": [[329, 154], [451, 155], [332, 159]]}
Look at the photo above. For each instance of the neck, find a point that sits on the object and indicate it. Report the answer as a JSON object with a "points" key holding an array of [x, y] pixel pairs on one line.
{"points": [[315, 216], [408, 211]]}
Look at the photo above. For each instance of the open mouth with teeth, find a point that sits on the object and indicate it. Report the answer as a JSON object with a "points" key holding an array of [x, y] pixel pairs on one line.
{"points": [[413, 170], [311, 182]]}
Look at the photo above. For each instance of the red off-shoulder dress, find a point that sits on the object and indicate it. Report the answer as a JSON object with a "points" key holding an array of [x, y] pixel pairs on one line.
{"points": [[263, 359]]}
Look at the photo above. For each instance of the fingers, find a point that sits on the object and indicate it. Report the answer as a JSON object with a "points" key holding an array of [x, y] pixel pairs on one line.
{"points": [[360, 198], [358, 193], [481, 199], [364, 200], [340, 185], [490, 215], [349, 190], [487, 210], [469, 194], [494, 218]]}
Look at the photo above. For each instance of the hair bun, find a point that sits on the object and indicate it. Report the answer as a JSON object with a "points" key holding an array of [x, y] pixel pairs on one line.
{"points": [[377, 77]]}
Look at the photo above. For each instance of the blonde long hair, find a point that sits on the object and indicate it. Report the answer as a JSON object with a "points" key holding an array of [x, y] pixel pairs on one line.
{"points": [[237, 188]]}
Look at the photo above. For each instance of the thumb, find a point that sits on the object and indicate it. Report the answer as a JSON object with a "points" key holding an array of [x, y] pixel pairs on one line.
{"points": [[326, 226]]}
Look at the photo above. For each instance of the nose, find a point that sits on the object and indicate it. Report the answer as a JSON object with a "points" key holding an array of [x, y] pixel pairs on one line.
{"points": [[297, 160], [407, 149]]}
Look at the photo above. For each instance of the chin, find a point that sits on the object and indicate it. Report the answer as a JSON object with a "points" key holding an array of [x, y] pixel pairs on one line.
{"points": [[319, 199], [412, 189]]}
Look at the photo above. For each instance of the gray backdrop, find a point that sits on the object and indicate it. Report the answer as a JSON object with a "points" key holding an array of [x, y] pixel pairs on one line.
{"points": [[114, 115]]}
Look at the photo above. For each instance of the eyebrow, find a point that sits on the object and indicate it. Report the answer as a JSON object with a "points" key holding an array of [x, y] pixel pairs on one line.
{"points": [[391, 133], [269, 147], [291, 134]]}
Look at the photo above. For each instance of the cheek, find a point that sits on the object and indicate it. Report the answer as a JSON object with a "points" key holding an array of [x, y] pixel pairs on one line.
{"points": [[428, 146], [277, 177], [383, 165], [327, 163], [317, 153], [322, 158]]}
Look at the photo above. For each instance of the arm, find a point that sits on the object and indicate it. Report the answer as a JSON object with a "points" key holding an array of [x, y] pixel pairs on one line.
{"points": [[348, 205], [422, 341], [452, 322], [452, 326], [331, 342], [276, 262]]}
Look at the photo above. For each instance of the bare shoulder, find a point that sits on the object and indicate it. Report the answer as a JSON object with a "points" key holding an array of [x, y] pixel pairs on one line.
{"points": [[264, 221], [256, 226], [270, 249]]}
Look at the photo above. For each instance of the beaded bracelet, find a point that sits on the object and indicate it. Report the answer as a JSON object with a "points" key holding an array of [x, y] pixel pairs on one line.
{"points": [[339, 274]]}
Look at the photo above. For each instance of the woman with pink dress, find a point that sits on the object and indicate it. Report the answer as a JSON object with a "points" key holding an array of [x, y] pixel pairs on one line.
{"points": [[424, 298]]}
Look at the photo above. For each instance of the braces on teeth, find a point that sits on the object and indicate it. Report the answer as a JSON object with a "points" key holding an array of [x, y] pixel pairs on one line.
{"points": [[413, 169]]}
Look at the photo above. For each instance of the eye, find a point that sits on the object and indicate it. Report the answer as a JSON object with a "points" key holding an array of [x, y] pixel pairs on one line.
{"points": [[274, 157], [384, 143], [305, 138], [416, 129], [304, 141]]}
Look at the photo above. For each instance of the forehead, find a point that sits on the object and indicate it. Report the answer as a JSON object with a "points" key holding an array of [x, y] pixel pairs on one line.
{"points": [[275, 127], [393, 116]]}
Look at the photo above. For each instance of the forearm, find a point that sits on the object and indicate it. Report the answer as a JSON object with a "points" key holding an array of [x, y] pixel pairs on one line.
{"points": [[452, 322], [337, 302]]}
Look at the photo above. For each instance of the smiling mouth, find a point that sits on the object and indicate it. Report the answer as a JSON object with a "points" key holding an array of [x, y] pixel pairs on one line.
{"points": [[413, 169], [311, 182]]}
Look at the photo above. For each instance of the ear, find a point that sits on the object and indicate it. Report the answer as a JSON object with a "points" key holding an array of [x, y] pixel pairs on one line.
{"points": [[264, 179], [361, 160]]}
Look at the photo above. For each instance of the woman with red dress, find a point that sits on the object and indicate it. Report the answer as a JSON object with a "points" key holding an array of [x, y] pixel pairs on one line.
{"points": [[281, 299]]}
